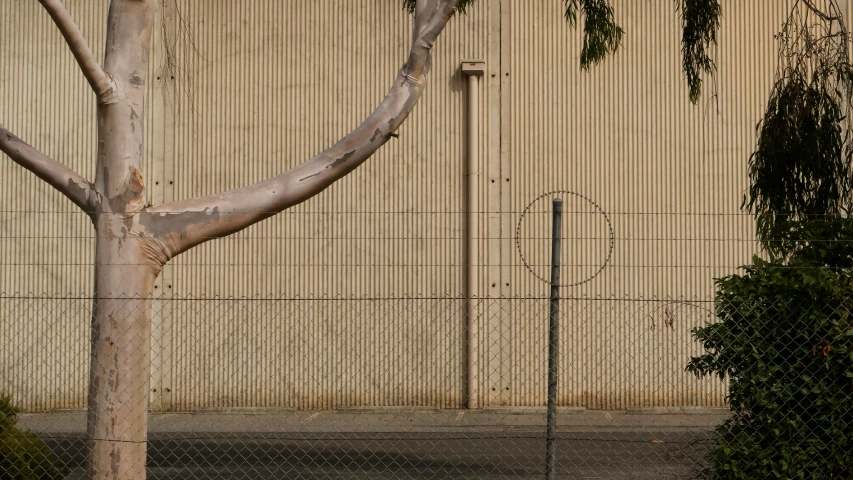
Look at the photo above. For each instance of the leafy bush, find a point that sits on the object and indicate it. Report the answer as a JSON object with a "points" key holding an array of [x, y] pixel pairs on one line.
{"points": [[23, 456], [785, 342]]}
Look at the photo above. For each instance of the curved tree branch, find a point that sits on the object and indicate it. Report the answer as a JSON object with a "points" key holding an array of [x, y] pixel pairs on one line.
{"points": [[820, 13], [185, 224], [92, 70], [67, 181]]}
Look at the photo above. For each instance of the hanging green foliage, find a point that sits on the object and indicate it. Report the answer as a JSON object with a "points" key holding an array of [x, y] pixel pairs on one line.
{"points": [[601, 35], [801, 166], [700, 21]]}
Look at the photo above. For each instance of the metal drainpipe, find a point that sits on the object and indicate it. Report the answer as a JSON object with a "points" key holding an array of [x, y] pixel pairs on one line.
{"points": [[473, 69]]}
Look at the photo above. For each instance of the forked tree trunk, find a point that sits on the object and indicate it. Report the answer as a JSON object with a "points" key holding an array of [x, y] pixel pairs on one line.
{"points": [[134, 239]]}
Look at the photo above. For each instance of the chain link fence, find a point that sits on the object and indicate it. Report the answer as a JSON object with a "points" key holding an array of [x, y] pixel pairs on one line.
{"points": [[310, 388], [752, 380]]}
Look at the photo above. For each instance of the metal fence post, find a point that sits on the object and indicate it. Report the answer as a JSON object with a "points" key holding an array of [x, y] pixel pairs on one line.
{"points": [[553, 330]]}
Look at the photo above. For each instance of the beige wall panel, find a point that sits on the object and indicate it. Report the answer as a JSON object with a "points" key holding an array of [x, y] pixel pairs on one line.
{"points": [[46, 244], [670, 176], [273, 84], [270, 85], [261, 86]]}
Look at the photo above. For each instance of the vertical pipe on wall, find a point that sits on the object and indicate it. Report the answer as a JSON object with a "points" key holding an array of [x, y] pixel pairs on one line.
{"points": [[473, 69]]}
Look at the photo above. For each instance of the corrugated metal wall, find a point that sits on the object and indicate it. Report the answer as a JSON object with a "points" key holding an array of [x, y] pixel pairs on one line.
{"points": [[272, 85], [46, 245], [260, 86], [670, 176], [275, 83]]}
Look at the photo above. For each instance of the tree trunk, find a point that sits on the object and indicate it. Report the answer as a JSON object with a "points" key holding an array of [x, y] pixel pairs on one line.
{"points": [[127, 259], [119, 369]]}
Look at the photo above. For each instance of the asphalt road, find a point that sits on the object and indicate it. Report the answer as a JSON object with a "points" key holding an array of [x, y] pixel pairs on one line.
{"points": [[405, 445]]}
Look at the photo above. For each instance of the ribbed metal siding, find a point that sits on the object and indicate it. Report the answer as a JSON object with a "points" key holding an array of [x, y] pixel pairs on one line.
{"points": [[46, 242], [46, 245], [272, 84], [670, 176]]}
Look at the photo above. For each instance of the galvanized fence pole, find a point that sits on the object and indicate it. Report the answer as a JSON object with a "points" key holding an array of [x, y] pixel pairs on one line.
{"points": [[553, 330]]}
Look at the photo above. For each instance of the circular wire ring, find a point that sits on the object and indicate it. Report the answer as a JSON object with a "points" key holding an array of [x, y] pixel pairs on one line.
{"points": [[603, 213]]}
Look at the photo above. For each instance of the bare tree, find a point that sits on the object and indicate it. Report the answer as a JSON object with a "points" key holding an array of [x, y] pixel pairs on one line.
{"points": [[134, 239]]}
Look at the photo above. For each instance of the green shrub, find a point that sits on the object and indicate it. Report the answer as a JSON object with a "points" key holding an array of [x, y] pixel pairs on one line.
{"points": [[785, 343], [23, 456]]}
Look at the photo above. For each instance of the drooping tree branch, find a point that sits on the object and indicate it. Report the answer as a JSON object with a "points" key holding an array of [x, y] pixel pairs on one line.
{"points": [[802, 165], [92, 70], [185, 224], [602, 36], [700, 21], [67, 181]]}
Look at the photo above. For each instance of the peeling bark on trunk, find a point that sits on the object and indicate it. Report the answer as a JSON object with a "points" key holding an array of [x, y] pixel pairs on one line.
{"points": [[125, 265], [119, 369], [134, 241]]}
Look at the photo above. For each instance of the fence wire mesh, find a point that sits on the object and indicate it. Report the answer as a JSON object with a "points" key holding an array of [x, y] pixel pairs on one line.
{"points": [[741, 384], [310, 388]]}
